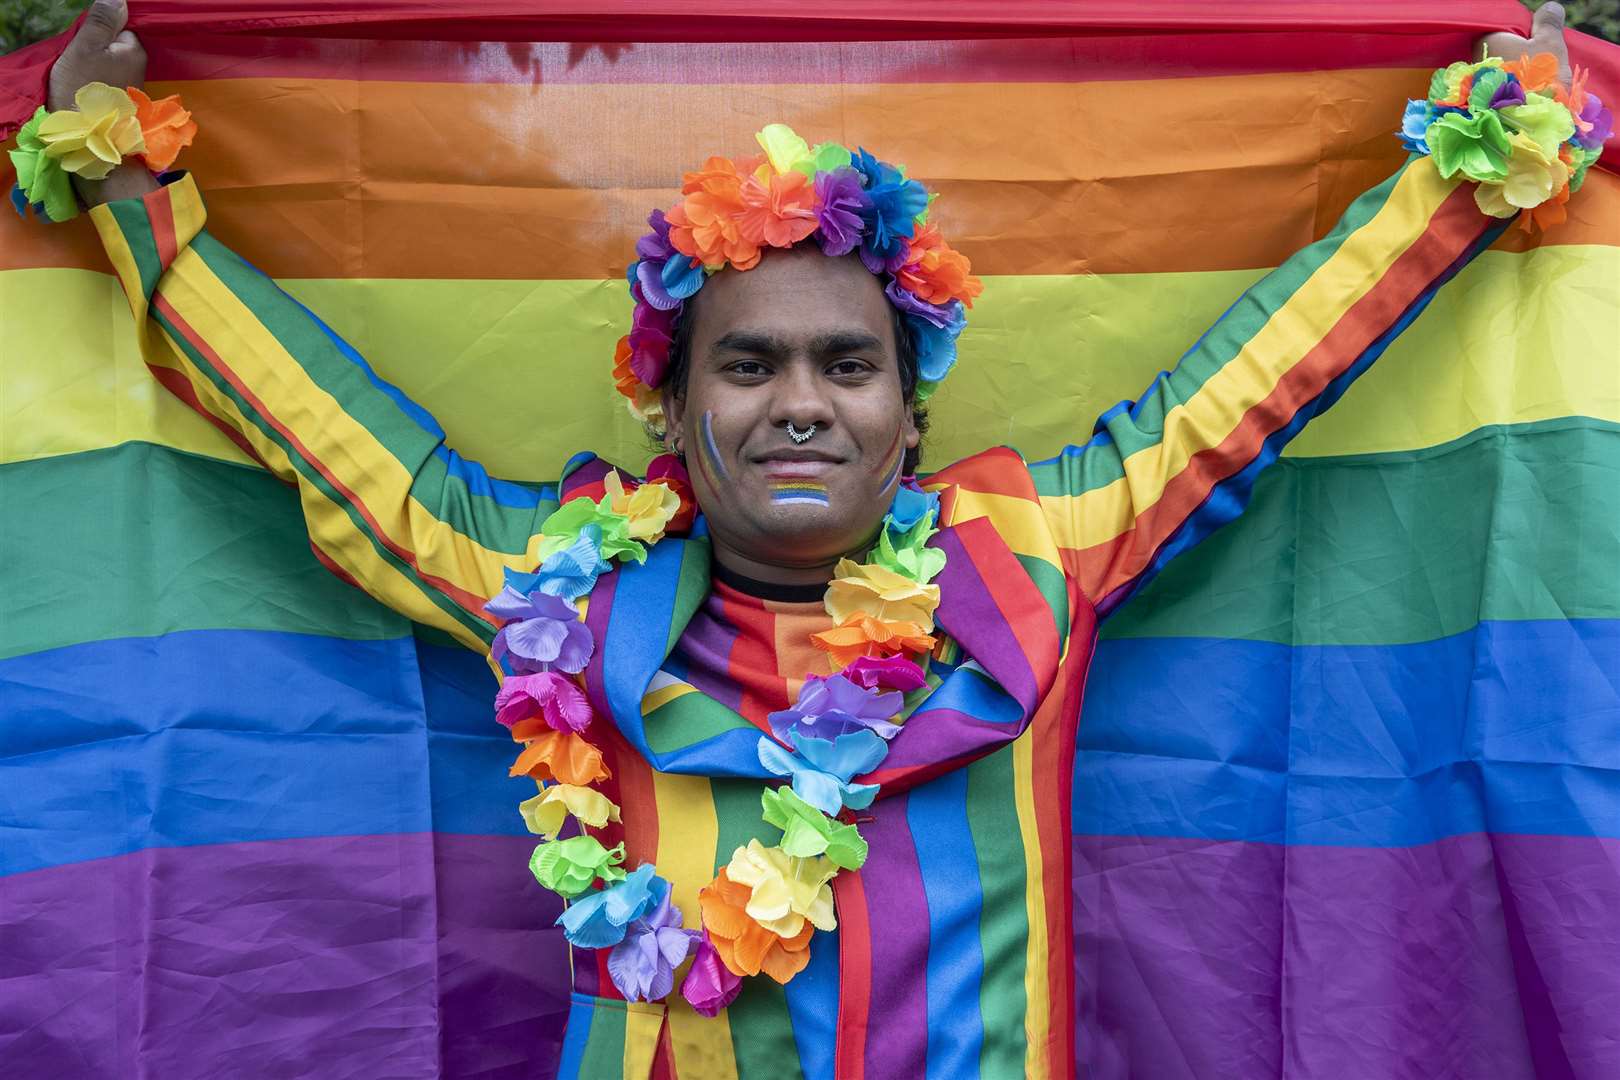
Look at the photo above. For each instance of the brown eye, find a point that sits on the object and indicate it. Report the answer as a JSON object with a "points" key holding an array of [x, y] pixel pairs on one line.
{"points": [[749, 369], [848, 368]]}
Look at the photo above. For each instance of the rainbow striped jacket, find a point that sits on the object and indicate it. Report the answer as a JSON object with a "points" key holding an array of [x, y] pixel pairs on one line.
{"points": [[954, 953]]}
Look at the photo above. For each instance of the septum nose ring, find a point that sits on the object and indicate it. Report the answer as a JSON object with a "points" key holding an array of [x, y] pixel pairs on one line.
{"points": [[800, 436]]}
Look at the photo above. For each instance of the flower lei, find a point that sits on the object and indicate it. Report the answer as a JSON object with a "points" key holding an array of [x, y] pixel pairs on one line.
{"points": [[1512, 127], [105, 126], [731, 211], [759, 912]]}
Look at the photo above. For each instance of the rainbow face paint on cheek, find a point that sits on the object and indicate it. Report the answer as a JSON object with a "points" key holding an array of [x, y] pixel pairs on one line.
{"points": [[896, 457], [711, 450], [801, 492]]}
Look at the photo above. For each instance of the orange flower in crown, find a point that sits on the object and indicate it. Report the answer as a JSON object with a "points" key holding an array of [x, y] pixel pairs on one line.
{"points": [[935, 272]]}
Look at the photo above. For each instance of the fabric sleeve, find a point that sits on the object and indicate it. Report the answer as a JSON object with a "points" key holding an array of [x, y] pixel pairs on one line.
{"points": [[387, 505], [1161, 473]]}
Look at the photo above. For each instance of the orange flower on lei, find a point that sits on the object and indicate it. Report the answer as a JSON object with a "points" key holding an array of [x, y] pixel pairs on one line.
{"points": [[781, 209], [165, 125], [744, 946], [936, 272], [862, 635], [556, 755], [1536, 72]]}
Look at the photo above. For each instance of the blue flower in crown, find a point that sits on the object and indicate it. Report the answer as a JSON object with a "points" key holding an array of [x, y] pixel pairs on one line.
{"points": [[891, 217]]}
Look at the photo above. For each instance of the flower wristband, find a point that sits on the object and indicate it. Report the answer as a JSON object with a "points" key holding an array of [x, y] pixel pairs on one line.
{"points": [[1511, 127], [105, 126]]}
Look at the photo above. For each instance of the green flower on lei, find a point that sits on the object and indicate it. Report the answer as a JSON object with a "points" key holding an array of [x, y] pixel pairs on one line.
{"points": [[569, 867], [39, 176], [1476, 146], [807, 832]]}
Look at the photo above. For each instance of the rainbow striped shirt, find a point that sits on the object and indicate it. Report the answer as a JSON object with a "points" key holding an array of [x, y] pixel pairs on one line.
{"points": [[953, 955]]}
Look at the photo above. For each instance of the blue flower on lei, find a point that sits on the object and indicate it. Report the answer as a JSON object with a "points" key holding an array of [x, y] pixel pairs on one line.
{"points": [[569, 572], [1415, 125], [599, 919], [909, 507], [822, 768]]}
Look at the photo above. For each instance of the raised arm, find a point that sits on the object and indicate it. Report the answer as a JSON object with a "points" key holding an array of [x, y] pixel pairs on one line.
{"points": [[387, 505], [1162, 472]]}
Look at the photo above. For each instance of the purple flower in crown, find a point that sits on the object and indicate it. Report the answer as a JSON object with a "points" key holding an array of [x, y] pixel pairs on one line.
{"points": [[643, 965], [841, 211], [1599, 121], [831, 706], [666, 277], [892, 216], [886, 673], [951, 317], [545, 633]]}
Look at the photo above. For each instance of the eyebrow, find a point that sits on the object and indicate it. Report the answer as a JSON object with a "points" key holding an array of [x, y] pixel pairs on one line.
{"points": [[763, 344]]}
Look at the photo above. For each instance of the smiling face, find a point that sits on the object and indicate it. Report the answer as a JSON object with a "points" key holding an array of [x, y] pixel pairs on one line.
{"points": [[801, 339]]}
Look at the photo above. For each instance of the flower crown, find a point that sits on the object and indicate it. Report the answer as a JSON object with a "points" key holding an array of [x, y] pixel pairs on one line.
{"points": [[1512, 127], [730, 211]]}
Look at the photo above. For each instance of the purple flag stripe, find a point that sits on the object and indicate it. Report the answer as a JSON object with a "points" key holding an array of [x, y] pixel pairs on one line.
{"points": [[362, 956], [969, 613], [1478, 955], [897, 918]]}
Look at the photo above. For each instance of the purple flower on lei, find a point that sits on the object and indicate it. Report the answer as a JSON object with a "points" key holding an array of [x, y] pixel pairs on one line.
{"points": [[831, 706], [890, 219], [643, 965], [666, 276], [840, 215], [1415, 125], [599, 919], [545, 633], [546, 694], [710, 986], [1511, 92], [1601, 120]]}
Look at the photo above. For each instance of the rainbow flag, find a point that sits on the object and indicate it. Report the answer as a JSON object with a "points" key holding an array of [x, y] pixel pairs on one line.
{"points": [[1347, 801]]}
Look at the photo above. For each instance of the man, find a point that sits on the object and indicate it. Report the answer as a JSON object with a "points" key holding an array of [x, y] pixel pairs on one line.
{"points": [[797, 376]]}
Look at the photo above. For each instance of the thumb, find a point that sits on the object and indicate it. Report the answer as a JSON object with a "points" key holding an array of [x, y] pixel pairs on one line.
{"points": [[102, 24], [1548, 23]]}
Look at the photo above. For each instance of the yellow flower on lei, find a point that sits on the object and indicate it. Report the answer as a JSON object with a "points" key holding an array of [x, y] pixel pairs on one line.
{"points": [[649, 508], [97, 136], [881, 593], [786, 890], [545, 813], [1532, 178]]}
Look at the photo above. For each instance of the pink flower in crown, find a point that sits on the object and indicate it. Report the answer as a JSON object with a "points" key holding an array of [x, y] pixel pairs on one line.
{"points": [[548, 695], [652, 332]]}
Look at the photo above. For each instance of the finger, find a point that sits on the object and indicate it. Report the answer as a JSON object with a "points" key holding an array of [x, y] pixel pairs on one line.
{"points": [[1547, 27], [102, 23]]}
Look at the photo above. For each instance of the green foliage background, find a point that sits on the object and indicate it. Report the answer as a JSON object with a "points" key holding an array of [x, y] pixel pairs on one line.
{"points": [[23, 22]]}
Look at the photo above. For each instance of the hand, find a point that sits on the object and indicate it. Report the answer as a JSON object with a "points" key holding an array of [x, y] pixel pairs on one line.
{"points": [[1546, 35], [102, 51]]}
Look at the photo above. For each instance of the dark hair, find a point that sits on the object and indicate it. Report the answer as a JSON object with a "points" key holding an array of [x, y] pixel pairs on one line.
{"points": [[680, 365]]}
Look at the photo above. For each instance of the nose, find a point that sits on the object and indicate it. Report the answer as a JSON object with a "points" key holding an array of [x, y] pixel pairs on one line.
{"points": [[799, 396]]}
